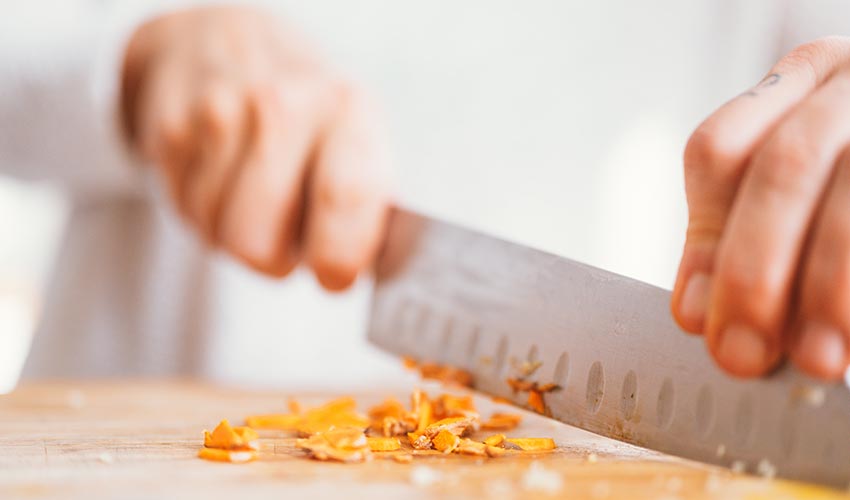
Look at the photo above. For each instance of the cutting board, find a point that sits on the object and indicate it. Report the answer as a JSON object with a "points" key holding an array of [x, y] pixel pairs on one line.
{"points": [[139, 439]]}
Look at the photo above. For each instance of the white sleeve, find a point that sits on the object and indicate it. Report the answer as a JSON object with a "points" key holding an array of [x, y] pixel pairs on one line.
{"points": [[60, 64]]}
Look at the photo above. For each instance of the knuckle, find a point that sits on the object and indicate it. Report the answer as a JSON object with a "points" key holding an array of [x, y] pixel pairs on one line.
{"points": [[218, 112], [345, 191], [788, 163], [751, 285], [709, 153]]}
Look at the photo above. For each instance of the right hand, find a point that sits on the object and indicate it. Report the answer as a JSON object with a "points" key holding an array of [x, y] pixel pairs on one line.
{"points": [[265, 152]]}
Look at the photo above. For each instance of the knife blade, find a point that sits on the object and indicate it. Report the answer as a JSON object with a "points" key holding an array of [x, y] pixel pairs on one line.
{"points": [[450, 295]]}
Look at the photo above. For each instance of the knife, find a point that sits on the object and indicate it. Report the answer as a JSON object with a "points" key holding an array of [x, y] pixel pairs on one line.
{"points": [[450, 295]]}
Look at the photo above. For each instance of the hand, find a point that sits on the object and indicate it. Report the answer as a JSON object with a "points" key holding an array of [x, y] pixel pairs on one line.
{"points": [[765, 271], [265, 152]]}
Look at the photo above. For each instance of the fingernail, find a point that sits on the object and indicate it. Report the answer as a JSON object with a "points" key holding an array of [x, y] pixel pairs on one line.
{"points": [[742, 351], [695, 299], [822, 349]]}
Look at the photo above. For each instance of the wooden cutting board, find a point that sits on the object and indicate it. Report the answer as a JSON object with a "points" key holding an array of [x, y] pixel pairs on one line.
{"points": [[140, 440]]}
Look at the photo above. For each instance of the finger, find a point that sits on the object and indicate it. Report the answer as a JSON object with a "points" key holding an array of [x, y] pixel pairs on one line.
{"points": [[820, 346], [717, 154], [348, 195], [260, 219], [166, 128], [758, 256], [222, 134]]}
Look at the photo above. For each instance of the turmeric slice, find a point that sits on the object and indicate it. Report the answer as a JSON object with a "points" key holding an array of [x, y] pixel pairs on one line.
{"points": [[233, 456], [274, 421], [383, 443], [225, 437], [535, 401], [446, 441], [448, 405], [419, 441], [294, 406], [456, 425], [342, 445], [421, 409], [470, 447], [347, 437], [502, 422], [495, 440], [532, 444]]}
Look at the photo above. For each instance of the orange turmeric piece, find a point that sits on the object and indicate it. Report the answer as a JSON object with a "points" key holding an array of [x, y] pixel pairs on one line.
{"points": [[421, 409], [536, 403], [446, 441], [532, 444], [494, 440], [274, 421], [383, 443], [233, 456], [446, 374], [419, 441], [470, 447], [294, 406], [448, 405], [338, 413], [343, 445], [225, 437], [455, 425], [502, 422]]}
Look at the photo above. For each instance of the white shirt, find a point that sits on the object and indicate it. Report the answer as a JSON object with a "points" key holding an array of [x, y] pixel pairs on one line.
{"points": [[558, 124]]}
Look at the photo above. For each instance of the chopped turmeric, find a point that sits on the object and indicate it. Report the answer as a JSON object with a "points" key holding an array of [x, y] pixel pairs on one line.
{"points": [[225, 437], [421, 409], [342, 445], [447, 374], [346, 437], [294, 406], [456, 425], [419, 441], [532, 444], [383, 443], [470, 447], [494, 440], [446, 441], [233, 456], [334, 431], [502, 422], [535, 401], [448, 405], [274, 421]]}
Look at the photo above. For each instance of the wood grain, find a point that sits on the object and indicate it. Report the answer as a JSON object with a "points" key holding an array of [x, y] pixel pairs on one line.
{"points": [[140, 439]]}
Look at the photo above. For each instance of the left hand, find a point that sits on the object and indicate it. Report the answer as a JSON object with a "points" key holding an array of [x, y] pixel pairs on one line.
{"points": [[266, 153], [765, 271]]}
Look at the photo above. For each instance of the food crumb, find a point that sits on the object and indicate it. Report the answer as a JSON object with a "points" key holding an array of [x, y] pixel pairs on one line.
{"points": [[721, 450], [539, 478], [592, 458], [601, 489], [424, 476], [106, 458], [403, 459], [766, 469], [738, 467]]}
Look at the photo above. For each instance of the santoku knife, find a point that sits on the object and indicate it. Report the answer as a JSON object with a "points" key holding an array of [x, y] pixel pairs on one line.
{"points": [[450, 295]]}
